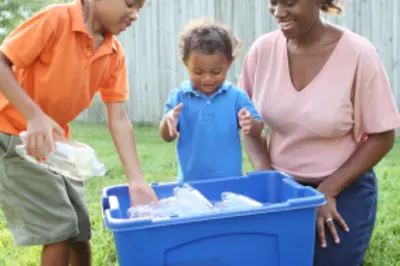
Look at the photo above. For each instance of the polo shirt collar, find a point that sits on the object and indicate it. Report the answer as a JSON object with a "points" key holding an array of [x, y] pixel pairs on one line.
{"points": [[78, 24], [190, 88]]}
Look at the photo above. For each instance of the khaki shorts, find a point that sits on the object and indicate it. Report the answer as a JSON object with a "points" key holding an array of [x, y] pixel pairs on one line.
{"points": [[40, 207]]}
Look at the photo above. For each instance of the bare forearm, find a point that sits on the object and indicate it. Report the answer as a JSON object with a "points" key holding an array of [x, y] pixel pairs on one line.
{"points": [[124, 140], [364, 158], [164, 131], [257, 152], [257, 128], [12, 90]]}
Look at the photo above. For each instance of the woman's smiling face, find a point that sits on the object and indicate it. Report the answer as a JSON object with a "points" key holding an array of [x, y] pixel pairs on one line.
{"points": [[295, 17]]}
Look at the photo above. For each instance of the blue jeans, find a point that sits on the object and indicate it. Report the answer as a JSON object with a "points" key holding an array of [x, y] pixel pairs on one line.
{"points": [[357, 204]]}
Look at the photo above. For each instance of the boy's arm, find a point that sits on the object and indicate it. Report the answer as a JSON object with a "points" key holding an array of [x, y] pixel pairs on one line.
{"points": [[12, 90], [114, 93], [123, 137], [40, 126], [20, 49]]}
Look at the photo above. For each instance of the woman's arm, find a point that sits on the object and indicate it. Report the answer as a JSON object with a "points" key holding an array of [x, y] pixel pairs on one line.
{"points": [[257, 152], [370, 152], [375, 113]]}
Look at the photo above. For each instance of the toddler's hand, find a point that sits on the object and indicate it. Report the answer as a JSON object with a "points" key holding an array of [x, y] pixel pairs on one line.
{"points": [[172, 120], [245, 121]]}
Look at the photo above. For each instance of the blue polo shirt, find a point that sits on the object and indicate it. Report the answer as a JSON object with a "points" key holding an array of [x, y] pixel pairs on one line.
{"points": [[209, 144]]}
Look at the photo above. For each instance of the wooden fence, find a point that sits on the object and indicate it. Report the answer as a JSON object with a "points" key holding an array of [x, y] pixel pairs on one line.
{"points": [[152, 44]]}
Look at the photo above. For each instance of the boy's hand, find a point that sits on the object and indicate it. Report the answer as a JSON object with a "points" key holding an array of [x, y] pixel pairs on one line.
{"points": [[172, 120], [42, 133], [141, 194], [245, 121]]}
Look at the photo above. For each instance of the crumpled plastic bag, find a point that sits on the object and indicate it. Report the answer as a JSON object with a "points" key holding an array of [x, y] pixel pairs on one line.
{"points": [[72, 159]]}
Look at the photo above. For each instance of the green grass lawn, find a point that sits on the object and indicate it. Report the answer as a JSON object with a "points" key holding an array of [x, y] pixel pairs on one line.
{"points": [[159, 164]]}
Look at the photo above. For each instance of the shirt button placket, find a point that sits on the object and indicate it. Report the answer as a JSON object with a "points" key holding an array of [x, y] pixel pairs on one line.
{"points": [[89, 45]]}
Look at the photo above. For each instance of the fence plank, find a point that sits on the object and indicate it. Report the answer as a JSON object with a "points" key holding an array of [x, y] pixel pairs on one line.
{"points": [[151, 45]]}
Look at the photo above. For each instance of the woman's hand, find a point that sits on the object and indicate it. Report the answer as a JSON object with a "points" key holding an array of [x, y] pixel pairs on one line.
{"points": [[326, 217]]}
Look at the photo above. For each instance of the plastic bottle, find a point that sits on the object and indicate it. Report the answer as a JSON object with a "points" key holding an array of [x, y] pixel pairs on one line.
{"points": [[232, 201], [191, 201], [166, 208], [73, 159]]}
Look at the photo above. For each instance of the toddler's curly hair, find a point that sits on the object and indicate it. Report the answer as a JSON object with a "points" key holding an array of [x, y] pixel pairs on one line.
{"points": [[208, 37]]}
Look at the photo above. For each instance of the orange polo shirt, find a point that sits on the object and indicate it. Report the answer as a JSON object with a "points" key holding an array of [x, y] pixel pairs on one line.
{"points": [[53, 60]]}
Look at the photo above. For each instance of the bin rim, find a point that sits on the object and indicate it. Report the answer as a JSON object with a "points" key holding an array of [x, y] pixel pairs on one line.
{"points": [[110, 202]]}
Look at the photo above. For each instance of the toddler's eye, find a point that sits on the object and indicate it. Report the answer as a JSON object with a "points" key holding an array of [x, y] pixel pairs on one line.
{"points": [[129, 3], [216, 72]]}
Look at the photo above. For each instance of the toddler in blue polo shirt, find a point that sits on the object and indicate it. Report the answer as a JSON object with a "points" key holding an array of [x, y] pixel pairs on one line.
{"points": [[206, 113]]}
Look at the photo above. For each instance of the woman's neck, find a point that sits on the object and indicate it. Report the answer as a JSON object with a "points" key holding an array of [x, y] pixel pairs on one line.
{"points": [[312, 36]]}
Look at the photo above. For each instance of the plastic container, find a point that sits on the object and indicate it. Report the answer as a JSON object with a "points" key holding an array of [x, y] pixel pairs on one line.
{"points": [[279, 233], [72, 159]]}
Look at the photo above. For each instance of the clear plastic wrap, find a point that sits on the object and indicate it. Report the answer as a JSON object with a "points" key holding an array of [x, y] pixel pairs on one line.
{"points": [[234, 202], [72, 159], [188, 202]]}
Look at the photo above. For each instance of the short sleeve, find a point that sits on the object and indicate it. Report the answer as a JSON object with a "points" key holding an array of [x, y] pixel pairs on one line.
{"points": [[245, 102], [246, 79], [116, 88], [375, 110], [172, 101], [25, 44]]}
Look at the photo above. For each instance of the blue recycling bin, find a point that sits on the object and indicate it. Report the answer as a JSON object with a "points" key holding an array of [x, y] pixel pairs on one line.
{"points": [[281, 233]]}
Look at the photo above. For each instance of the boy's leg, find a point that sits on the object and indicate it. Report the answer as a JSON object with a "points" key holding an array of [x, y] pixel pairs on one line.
{"points": [[41, 208], [55, 254], [80, 252]]}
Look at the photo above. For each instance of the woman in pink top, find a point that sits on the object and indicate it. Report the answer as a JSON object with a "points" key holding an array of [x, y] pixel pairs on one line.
{"points": [[320, 90]]}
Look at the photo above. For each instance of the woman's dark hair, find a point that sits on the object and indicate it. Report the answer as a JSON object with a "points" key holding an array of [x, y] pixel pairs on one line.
{"points": [[208, 37], [332, 6]]}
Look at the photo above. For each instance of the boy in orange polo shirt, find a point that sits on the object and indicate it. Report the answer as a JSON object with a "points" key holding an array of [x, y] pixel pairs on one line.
{"points": [[50, 69]]}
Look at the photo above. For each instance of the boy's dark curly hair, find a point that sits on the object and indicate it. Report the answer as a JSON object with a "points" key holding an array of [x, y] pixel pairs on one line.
{"points": [[208, 37]]}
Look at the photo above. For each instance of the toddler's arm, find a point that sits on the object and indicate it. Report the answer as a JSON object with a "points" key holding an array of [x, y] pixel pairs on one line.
{"points": [[169, 125], [249, 119]]}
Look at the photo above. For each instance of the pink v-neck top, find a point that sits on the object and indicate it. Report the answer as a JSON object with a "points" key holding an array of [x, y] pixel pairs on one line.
{"points": [[315, 130]]}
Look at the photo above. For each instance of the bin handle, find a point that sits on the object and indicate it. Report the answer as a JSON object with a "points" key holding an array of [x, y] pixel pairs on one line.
{"points": [[105, 203], [110, 203]]}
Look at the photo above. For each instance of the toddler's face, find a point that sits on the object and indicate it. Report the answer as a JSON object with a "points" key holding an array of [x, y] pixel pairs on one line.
{"points": [[117, 15], [207, 72]]}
